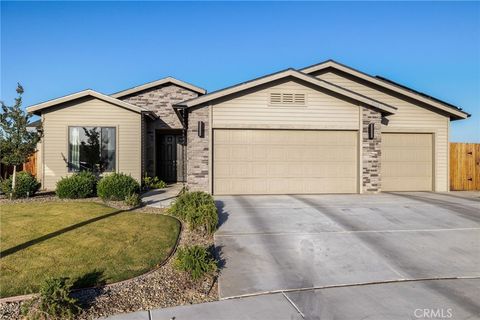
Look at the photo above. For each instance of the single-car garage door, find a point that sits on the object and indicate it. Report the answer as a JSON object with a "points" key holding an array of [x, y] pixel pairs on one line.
{"points": [[407, 162], [284, 161]]}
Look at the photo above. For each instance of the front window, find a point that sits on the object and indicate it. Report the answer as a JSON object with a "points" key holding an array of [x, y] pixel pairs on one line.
{"points": [[91, 149]]}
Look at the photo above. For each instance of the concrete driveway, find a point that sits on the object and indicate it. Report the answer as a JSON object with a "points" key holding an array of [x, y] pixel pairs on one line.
{"points": [[349, 257], [286, 243]]}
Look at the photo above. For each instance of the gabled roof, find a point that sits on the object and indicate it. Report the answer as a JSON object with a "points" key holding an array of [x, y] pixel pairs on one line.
{"points": [[450, 109], [85, 93], [156, 83], [284, 74]]}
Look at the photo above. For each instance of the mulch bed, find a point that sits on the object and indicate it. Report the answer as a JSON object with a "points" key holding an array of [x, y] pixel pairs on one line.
{"points": [[160, 288]]}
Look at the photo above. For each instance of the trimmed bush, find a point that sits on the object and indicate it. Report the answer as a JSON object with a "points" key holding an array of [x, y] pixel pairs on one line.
{"points": [[78, 185], [197, 209], [133, 200], [54, 301], [26, 185], [117, 186], [195, 260]]}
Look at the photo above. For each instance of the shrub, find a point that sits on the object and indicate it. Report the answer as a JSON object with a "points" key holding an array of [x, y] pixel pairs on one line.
{"points": [[117, 186], [195, 260], [26, 185], [78, 185], [54, 301], [133, 200], [204, 217], [197, 209], [153, 183]]}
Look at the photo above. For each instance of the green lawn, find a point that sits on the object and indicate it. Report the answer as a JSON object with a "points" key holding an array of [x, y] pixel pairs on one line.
{"points": [[88, 242]]}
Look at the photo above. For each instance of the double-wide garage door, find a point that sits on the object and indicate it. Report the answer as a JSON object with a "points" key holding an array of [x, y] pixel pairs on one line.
{"points": [[284, 161], [407, 162]]}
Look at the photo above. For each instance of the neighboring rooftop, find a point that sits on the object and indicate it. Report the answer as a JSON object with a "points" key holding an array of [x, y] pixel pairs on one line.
{"points": [[34, 124]]}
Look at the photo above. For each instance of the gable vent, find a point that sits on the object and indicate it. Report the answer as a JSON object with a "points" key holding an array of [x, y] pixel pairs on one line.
{"points": [[275, 98], [287, 98]]}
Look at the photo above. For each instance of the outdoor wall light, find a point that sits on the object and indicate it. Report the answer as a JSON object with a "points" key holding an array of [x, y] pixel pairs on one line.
{"points": [[371, 131], [201, 128]]}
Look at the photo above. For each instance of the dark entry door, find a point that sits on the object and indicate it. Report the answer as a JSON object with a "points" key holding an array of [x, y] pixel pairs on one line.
{"points": [[167, 158]]}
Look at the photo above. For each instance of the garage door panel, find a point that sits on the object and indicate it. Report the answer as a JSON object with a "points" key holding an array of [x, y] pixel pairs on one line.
{"points": [[407, 184], [285, 186], [407, 154], [284, 161], [326, 185], [285, 169], [407, 163], [407, 139], [222, 152], [409, 169]]}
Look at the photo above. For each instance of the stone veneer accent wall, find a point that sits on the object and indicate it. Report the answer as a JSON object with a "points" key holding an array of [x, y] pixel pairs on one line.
{"points": [[198, 151], [371, 152], [160, 100]]}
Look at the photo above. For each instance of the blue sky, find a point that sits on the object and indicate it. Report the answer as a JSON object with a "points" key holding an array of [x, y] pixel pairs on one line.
{"points": [[56, 48]]}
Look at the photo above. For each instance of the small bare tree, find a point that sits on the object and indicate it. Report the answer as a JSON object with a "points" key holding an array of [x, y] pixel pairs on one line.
{"points": [[17, 143]]}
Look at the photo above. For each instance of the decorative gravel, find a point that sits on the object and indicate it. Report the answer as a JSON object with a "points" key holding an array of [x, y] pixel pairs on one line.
{"points": [[160, 288]]}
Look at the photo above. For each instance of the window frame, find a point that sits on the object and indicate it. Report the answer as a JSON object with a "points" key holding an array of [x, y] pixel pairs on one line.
{"points": [[69, 167]]}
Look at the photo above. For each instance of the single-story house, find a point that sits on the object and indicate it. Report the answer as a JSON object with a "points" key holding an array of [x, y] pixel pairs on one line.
{"points": [[326, 128]]}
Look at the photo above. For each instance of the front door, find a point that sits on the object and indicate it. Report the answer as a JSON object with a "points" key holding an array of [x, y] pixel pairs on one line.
{"points": [[167, 157]]}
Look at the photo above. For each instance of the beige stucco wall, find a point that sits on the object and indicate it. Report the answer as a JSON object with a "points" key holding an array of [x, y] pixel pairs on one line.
{"points": [[89, 112], [322, 111], [408, 118]]}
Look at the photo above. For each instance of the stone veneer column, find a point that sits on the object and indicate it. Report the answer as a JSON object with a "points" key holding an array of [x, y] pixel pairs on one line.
{"points": [[198, 149], [159, 100], [371, 152]]}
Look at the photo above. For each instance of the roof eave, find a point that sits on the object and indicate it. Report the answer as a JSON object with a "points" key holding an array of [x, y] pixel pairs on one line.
{"points": [[38, 108], [385, 109], [453, 111], [152, 115], [156, 83]]}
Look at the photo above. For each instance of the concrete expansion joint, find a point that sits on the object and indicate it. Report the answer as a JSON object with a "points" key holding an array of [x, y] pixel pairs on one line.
{"points": [[293, 305], [358, 284], [338, 231]]}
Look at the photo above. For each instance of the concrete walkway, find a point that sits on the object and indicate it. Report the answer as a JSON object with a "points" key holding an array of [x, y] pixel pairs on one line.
{"points": [[162, 198], [388, 301]]}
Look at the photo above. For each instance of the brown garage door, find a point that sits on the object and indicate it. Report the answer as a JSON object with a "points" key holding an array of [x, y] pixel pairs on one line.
{"points": [[407, 162], [284, 161]]}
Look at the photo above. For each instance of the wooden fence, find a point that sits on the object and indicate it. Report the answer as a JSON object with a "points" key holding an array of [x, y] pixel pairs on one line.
{"points": [[464, 166], [29, 166]]}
